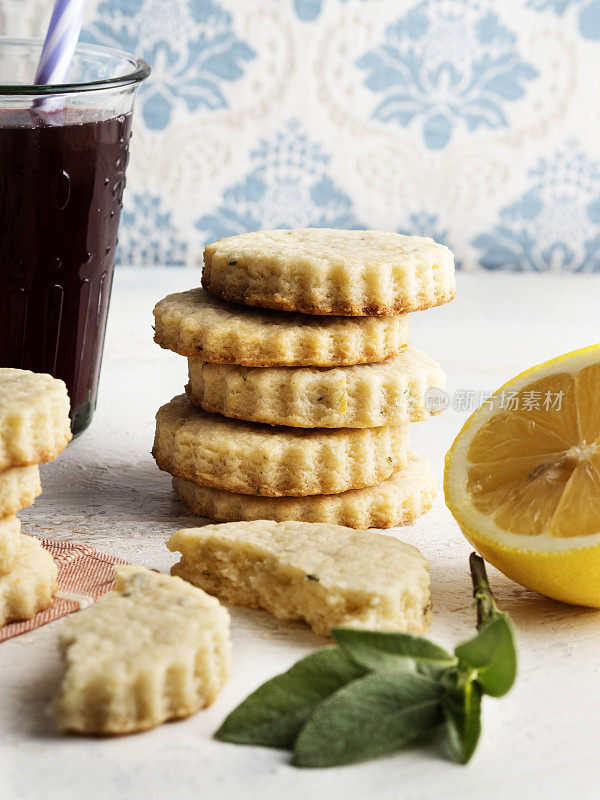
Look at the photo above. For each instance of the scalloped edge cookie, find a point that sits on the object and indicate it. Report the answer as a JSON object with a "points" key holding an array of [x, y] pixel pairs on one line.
{"points": [[363, 396], [154, 649], [19, 486], [34, 417], [196, 325], [399, 500], [330, 271], [313, 572], [31, 583], [10, 531], [255, 459]]}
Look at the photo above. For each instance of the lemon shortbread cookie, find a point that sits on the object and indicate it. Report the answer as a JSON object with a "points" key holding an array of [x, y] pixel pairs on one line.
{"points": [[363, 396], [197, 325], [29, 586], [19, 486], [324, 574], [34, 418], [399, 500], [10, 528], [155, 649], [330, 271], [258, 459]]}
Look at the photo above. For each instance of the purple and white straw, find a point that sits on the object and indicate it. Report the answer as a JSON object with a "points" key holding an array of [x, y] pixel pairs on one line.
{"points": [[60, 42]]}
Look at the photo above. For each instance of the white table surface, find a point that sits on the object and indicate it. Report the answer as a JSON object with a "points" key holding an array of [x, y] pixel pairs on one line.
{"points": [[541, 740]]}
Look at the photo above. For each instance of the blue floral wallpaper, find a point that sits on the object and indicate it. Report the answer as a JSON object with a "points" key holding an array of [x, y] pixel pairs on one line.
{"points": [[474, 121], [419, 71]]}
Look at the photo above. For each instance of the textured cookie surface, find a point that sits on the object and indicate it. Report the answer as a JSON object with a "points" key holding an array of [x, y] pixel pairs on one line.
{"points": [[197, 325], [399, 500], [324, 574], [258, 459], [10, 528], [19, 486], [30, 584], [363, 396], [34, 418], [330, 271], [155, 649]]}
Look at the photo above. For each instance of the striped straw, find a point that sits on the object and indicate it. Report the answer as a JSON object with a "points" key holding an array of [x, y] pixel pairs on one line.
{"points": [[60, 43]]}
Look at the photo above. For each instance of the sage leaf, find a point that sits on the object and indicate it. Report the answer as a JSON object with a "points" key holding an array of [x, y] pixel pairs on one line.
{"points": [[492, 655], [372, 716], [377, 650], [462, 711], [273, 715]]}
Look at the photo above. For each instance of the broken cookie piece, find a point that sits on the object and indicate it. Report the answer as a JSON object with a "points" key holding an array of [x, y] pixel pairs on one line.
{"points": [[327, 575], [154, 649]]}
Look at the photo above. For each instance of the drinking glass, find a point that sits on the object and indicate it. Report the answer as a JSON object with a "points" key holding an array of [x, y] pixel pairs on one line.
{"points": [[63, 155]]}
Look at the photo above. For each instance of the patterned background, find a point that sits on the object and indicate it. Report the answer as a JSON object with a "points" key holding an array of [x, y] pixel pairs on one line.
{"points": [[474, 121]]}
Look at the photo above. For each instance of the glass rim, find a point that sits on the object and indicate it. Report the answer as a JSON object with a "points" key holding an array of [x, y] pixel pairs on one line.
{"points": [[140, 71]]}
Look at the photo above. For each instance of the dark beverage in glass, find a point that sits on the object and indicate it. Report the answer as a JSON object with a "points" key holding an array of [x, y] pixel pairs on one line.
{"points": [[62, 175]]}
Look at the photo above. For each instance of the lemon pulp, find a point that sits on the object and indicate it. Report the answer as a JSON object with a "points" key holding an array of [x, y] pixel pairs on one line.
{"points": [[537, 468]]}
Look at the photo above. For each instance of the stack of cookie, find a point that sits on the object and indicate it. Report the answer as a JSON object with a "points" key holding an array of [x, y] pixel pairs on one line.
{"points": [[301, 382], [34, 427]]}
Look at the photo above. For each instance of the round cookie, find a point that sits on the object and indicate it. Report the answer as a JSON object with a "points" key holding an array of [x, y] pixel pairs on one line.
{"points": [[31, 583], [363, 396], [257, 459], [330, 271], [19, 486], [399, 500], [194, 324], [34, 417]]}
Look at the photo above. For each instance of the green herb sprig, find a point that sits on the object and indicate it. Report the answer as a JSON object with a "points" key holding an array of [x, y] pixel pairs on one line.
{"points": [[373, 692]]}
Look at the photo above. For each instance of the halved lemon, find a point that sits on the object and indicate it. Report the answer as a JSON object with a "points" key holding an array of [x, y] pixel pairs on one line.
{"points": [[522, 478]]}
